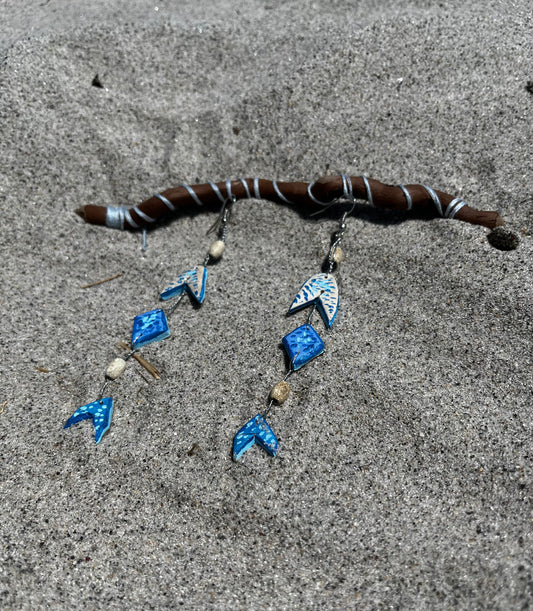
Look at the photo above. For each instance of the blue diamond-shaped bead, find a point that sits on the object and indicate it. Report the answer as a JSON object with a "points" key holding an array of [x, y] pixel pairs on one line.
{"points": [[302, 345], [149, 327]]}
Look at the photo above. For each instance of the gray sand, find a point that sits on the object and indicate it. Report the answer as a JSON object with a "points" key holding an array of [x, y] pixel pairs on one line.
{"points": [[404, 477]]}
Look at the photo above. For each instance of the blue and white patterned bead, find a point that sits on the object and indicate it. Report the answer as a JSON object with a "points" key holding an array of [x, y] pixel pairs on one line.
{"points": [[303, 345], [149, 327], [321, 289], [193, 281]]}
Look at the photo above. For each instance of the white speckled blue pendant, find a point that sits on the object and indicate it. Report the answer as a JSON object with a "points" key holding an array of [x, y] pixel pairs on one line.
{"points": [[100, 411], [193, 281], [149, 327], [321, 289], [254, 431]]}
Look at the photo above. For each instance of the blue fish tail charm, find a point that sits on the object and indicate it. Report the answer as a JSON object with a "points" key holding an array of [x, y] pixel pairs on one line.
{"points": [[100, 411], [321, 290], [193, 281], [254, 431]]}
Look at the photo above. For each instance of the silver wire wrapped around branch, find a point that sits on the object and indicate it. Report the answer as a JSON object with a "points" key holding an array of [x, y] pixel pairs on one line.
{"points": [[315, 194]]}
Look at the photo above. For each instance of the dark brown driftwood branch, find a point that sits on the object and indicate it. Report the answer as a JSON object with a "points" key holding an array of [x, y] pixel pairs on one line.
{"points": [[320, 193]]}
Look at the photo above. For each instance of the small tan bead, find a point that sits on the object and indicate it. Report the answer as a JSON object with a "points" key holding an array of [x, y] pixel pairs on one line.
{"points": [[216, 249], [338, 255], [280, 392], [115, 368]]}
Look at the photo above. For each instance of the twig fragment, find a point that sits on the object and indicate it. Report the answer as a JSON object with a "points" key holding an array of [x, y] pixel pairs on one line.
{"points": [[88, 286], [193, 449], [153, 371]]}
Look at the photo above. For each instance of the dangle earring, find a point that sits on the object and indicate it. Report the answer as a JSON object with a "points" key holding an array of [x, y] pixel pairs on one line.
{"points": [[304, 343], [153, 326]]}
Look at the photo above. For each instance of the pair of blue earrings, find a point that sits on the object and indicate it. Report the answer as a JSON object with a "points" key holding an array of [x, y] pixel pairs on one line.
{"points": [[303, 344]]}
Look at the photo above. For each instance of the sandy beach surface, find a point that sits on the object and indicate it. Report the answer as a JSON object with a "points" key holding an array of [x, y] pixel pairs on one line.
{"points": [[404, 475]]}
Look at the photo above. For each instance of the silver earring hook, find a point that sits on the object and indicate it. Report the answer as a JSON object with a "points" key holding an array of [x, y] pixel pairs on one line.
{"points": [[339, 234], [223, 215]]}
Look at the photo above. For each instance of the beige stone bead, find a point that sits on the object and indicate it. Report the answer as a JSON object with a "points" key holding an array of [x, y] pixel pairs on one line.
{"points": [[216, 249], [338, 255], [115, 368], [280, 392]]}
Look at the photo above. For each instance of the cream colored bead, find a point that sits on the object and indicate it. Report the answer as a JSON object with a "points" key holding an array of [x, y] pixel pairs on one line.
{"points": [[115, 368], [216, 249], [280, 392], [338, 255]]}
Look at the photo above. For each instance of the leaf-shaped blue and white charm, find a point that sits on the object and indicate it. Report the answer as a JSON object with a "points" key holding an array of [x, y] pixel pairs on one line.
{"points": [[193, 281], [100, 411], [321, 289], [254, 431]]}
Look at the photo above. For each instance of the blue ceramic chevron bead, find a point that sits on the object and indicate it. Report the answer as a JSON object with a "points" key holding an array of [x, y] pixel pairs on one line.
{"points": [[149, 327], [100, 411], [302, 345], [254, 431], [193, 281], [321, 289]]}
